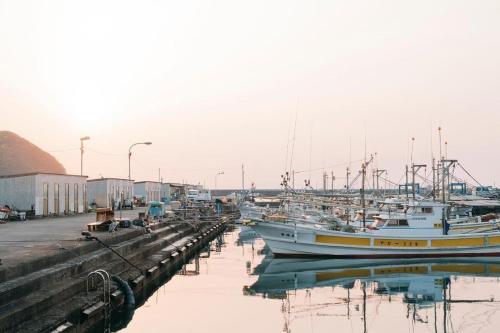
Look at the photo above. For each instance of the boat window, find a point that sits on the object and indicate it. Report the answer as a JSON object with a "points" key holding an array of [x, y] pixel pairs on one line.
{"points": [[397, 223], [421, 210], [392, 223], [403, 223]]}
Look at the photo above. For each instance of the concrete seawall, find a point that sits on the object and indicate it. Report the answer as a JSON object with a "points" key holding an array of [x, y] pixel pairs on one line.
{"points": [[49, 293]]}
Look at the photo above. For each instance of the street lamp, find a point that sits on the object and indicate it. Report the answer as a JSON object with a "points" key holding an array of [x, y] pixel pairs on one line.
{"points": [[218, 173], [85, 138], [130, 153]]}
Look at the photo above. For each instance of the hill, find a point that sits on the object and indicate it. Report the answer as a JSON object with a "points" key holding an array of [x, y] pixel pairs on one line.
{"points": [[18, 156]]}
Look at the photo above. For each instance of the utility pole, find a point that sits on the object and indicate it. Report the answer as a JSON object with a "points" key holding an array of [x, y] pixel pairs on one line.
{"points": [[333, 179], [325, 181], [414, 170], [81, 153], [130, 153]]}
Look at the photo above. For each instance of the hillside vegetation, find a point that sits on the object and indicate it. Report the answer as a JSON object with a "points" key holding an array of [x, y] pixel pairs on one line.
{"points": [[18, 156]]}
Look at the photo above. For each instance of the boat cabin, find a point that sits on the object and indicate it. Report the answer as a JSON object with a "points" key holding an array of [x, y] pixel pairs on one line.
{"points": [[420, 219]]}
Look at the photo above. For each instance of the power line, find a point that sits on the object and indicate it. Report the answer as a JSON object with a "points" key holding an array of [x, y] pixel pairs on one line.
{"points": [[104, 153], [62, 150], [327, 167]]}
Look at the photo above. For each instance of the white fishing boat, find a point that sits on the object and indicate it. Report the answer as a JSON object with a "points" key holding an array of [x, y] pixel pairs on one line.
{"points": [[249, 210], [420, 232]]}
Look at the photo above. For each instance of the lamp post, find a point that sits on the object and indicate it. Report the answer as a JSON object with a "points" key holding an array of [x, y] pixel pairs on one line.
{"points": [[217, 174], [85, 138], [130, 153]]}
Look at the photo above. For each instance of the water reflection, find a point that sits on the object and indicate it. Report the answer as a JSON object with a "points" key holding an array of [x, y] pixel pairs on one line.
{"points": [[416, 285], [234, 285]]}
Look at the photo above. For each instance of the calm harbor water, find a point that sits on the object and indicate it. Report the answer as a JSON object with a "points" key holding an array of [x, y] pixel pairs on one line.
{"points": [[237, 288]]}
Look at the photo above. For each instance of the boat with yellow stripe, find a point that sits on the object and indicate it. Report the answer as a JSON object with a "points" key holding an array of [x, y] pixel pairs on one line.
{"points": [[421, 232]]}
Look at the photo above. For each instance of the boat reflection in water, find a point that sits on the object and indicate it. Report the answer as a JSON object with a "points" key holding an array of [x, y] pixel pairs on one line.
{"points": [[435, 296]]}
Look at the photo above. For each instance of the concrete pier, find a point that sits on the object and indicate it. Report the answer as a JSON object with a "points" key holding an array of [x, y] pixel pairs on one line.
{"points": [[43, 284]]}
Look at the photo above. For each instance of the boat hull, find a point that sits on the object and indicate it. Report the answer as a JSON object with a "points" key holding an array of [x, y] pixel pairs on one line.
{"points": [[286, 240]]}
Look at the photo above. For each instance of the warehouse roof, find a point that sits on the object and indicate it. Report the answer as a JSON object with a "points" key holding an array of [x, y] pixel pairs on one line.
{"points": [[108, 178], [40, 173]]}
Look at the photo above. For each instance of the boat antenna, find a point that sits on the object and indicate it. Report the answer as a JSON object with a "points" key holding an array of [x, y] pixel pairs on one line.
{"points": [[294, 131], [288, 140], [440, 148], [348, 171], [350, 152], [365, 143], [432, 144], [412, 148], [310, 151]]}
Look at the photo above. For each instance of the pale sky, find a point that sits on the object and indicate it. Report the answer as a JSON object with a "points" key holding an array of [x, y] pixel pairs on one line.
{"points": [[214, 84]]}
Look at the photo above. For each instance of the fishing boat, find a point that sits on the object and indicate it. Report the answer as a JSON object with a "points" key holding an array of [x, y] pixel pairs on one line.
{"points": [[422, 231]]}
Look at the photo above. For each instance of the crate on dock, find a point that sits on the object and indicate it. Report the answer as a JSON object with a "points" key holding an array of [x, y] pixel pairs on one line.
{"points": [[98, 226], [104, 214]]}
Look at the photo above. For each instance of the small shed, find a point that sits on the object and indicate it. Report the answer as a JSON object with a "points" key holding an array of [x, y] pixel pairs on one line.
{"points": [[44, 194], [104, 192], [149, 190], [176, 191]]}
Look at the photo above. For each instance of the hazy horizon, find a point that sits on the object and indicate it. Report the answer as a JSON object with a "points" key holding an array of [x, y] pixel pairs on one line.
{"points": [[215, 85]]}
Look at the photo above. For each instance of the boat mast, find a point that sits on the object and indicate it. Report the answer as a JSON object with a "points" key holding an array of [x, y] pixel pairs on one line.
{"points": [[364, 165], [414, 169], [445, 165], [433, 179], [363, 203], [364, 306], [406, 185], [348, 172], [347, 195], [444, 196], [379, 173]]}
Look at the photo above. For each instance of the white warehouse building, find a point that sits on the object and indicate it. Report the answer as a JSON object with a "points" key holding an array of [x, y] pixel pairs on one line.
{"points": [[148, 190], [44, 193], [104, 191]]}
